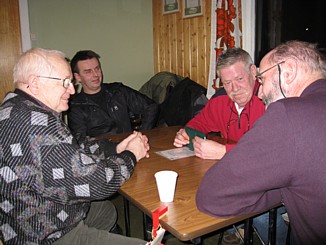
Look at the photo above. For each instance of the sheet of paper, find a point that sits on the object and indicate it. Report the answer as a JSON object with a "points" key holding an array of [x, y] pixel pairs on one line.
{"points": [[176, 153]]}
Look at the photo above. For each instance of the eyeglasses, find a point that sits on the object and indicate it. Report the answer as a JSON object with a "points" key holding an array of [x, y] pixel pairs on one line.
{"points": [[260, 78], [65, 81]]}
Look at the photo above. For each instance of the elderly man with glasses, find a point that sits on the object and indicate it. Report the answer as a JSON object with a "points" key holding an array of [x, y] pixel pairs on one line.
{"points": [[282, 158], [53, 190]]}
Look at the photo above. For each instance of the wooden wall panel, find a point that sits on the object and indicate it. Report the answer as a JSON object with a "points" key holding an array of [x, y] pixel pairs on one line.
{"points": [[10, 43], [182, 45]]}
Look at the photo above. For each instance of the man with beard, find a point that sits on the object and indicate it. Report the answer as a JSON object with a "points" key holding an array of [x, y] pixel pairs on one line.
{"points": [[281, 159]]}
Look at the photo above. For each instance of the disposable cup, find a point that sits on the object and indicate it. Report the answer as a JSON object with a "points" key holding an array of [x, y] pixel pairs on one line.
{"points": [[166, 182]]}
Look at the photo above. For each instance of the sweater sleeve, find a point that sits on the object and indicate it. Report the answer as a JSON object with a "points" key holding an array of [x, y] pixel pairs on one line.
{"points": [[95, 165], [91, 170], [247, 179], [106, 146]]}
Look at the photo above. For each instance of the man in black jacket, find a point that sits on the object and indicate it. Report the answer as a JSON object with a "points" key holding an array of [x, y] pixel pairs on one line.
{"points": [[102, 108]]}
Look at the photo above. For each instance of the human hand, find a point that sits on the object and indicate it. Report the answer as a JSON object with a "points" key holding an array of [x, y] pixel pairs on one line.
{"points": [[123, 144], [181, 138], [138, 146], [208, 149]]}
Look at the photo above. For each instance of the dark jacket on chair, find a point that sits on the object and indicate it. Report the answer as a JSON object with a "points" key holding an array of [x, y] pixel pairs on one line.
{"points": [[160, 85], [184, 102]]}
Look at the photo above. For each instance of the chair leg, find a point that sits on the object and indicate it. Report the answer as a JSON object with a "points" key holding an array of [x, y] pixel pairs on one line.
{"points": [[220, 239], [147, 227], [257, 233], [288, 236], [127, 216], [238, 233], [272, 226], [248, 234], [196, 241]]}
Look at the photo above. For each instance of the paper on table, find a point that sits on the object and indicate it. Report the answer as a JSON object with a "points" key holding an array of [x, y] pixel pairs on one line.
{"points": [[176, 153]]}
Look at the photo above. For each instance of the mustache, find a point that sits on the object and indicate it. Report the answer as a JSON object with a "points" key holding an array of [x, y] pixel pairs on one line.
{"points": [[240, 92]]}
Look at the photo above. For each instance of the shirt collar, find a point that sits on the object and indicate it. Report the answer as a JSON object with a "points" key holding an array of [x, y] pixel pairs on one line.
{"points": [[36, 101]]}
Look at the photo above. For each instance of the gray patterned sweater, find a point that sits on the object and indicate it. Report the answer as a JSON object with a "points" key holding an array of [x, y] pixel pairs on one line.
{"points": [[47, 179]]}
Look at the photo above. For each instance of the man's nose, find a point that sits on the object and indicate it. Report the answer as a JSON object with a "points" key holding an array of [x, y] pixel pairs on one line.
{"points": [[71, 89], [93, 72], [235, 86], [96, 72]]}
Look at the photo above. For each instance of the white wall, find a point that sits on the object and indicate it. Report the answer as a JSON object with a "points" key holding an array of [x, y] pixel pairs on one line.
{"points": [[24, 25], [120, 31]]}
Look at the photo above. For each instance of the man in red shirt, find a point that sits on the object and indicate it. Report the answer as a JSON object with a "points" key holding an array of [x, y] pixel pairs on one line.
{"points": [[231, 111]]}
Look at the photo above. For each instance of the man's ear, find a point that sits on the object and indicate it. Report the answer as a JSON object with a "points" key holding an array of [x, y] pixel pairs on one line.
{"points": [[253, 70], [33, 84], [77, 77], [289, 70]]}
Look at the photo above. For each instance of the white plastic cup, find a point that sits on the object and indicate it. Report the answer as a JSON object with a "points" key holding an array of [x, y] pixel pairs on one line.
{"points": [[166, 182]]}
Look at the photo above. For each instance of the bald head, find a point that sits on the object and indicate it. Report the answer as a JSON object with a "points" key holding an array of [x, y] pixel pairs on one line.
{"points": [[45, 75]]}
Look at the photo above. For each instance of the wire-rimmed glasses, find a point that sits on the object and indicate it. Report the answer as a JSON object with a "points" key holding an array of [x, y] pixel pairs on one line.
{"points": [[65, 81], [260, 78]]}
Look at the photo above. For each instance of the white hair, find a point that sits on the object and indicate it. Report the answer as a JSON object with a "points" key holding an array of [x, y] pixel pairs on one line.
{"points": [[34, 62]]}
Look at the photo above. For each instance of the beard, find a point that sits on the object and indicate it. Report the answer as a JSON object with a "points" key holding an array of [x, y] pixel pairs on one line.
{"points": [[267, 100], [273, 95]]}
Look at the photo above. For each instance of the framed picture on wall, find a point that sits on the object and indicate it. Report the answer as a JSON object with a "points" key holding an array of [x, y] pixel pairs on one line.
{"points": [[192, 8], [170, 6]]}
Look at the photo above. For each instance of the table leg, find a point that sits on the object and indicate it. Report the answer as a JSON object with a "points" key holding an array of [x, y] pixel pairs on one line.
{"points": [[248, 232], [127, 216], [196, 241], [272, 226], [147, 227]]}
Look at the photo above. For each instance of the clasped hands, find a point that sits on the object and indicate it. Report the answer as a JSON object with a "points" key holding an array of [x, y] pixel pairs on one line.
{"points": [[137, 143]]}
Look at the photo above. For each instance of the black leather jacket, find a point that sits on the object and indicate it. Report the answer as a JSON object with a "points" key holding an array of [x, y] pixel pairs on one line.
{"points": [[86, 118]]}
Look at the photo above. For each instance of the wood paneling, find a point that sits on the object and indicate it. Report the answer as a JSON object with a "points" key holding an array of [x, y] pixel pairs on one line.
{"points": [[10, 43], [182, 45]]}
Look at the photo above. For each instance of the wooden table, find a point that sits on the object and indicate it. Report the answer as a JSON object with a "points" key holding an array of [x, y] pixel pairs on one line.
{"points": [[183, 219]]}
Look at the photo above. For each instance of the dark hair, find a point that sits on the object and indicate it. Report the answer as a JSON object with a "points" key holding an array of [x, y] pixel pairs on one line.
{"points": [[82, 55]]}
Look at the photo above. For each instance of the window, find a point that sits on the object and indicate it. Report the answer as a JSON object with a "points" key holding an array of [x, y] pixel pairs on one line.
{"points": [[278, 21]]}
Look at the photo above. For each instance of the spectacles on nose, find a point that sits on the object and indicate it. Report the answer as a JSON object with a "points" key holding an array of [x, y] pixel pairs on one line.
{"points": [[259, 76], [65, 81]]}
